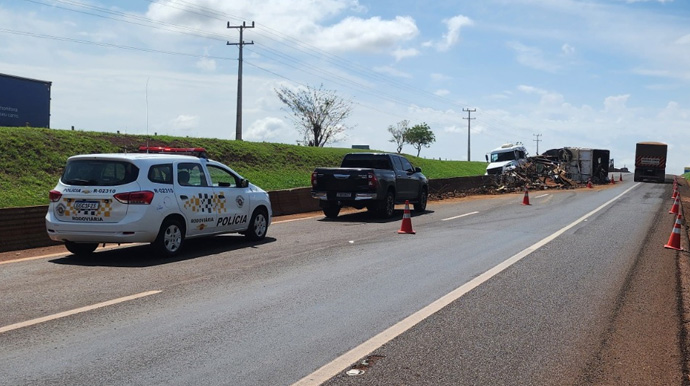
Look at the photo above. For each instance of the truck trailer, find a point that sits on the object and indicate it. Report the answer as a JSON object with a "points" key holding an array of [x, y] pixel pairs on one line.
{"points": [[24, 102], [650, 161]]}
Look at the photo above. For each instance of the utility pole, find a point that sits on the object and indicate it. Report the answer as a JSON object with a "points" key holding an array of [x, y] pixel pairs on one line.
{"points": [[537, 141], [238, 122], [469, 111]]}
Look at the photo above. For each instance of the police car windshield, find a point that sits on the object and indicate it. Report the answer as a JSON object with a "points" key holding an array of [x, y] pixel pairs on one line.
{"points": [[99, 173]]}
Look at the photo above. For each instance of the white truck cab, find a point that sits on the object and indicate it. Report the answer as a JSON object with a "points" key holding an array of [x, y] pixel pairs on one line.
{"points": [[505, 158]]}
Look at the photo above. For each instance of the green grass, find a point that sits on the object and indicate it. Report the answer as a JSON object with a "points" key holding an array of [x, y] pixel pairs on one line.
{"points": [[31, 160]]}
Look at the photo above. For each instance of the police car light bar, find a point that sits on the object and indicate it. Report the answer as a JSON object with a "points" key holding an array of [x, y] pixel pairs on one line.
{"points": [[195, 151]]}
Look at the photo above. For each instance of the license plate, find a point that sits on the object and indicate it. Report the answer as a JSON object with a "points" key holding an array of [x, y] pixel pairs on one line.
{"points": [[343, 195], [86, 205]]}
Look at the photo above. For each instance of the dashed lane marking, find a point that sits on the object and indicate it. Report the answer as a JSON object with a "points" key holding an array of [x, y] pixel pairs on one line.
{"points": [[462, 215], [342, 362], [76, 311]]}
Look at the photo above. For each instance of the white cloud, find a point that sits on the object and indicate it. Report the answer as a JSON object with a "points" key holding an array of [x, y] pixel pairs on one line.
{"points": [[532, 57], [567, 49], [401, 53], [683, 40], [183, 124], [269, 129], [206, 64], [531, 90], [452, 35], [442, 92], [366, 35], [616, 103]]}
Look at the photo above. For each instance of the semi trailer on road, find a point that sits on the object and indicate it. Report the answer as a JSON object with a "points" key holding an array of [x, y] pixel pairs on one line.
{"points": [[24, 102], [650, 161]]}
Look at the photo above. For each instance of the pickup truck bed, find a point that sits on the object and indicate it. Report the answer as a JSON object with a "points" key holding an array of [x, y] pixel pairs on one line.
{"points": [[376, 181]]}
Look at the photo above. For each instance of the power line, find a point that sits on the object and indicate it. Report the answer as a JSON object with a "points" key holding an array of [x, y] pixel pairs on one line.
{"points": [[381, 86]]}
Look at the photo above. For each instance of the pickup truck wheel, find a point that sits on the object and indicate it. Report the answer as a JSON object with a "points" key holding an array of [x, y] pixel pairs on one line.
{"points": [[331, 211], [420, 205], [387, 206]]}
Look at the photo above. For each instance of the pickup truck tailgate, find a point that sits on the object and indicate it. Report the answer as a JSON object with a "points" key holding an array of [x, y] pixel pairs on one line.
{"points": [[355, 180]]}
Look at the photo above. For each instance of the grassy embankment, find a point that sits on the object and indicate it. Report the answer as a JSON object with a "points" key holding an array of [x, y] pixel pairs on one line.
{"points": [[31, 160]]}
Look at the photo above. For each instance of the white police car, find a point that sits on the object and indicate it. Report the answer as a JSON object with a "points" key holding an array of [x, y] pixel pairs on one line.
{"points": [[160, 196]]}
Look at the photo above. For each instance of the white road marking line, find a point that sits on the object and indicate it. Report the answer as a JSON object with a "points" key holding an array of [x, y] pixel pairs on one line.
{"points": [[543, 195], [61, 254], [66, 253], [75, 311], [341, 363], [462, 215]]}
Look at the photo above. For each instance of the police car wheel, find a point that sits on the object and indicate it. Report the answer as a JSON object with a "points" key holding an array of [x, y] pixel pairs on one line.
{"points": [[80, 249], [170, 238], [258, 225]]}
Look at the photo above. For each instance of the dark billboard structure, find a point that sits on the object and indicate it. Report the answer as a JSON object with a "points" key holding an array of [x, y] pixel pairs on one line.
{"points": [[24, 102]]}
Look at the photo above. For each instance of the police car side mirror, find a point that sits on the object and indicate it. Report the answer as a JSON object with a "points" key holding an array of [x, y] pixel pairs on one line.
{"points": [[244, 183], [417, 170]]}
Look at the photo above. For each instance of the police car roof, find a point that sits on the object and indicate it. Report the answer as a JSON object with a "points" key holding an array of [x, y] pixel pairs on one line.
{"points": [[136, 156]]}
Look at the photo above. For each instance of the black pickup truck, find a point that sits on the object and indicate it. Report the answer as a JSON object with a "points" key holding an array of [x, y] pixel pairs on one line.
{"points": [[376, 181]]}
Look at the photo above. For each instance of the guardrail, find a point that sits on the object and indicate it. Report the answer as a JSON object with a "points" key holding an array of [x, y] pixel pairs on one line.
{"points": [[23, 228]]}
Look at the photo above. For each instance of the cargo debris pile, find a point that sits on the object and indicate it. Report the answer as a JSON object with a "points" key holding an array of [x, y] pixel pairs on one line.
{"points": [[563, 168]]}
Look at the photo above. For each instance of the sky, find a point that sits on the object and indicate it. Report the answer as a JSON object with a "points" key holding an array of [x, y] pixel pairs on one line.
{"points": [[601, 74]]}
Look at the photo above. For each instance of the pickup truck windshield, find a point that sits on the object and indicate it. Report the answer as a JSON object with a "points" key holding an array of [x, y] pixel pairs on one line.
{"points": [[367, 162]]}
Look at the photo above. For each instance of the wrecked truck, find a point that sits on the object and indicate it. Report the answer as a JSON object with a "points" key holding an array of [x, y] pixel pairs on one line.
{"points": [[505, 158], [582, 164]]}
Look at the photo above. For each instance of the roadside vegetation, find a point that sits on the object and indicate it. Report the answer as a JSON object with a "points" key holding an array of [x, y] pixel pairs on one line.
{"points": [[32, 159]]}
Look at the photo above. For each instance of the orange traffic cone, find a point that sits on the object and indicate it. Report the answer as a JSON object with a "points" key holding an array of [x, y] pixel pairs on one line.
{"points": [[589, 183], [675, 193], [525, 200], [620, 177], [613, 179], [674, 239], [674, 208], [406, 226]]}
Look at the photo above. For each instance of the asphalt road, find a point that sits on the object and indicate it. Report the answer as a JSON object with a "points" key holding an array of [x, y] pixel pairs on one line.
{"points": [[228, 312]]}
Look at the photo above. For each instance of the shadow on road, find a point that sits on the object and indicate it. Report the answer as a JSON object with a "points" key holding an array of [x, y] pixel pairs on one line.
{"points": [[369, 217], [141, 256]]}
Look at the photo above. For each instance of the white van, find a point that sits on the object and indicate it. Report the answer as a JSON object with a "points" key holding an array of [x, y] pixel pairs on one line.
{"points": [[161, 198], [505, 158]]}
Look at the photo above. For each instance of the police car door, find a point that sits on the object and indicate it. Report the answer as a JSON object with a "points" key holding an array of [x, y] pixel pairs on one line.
{"points": [[232, 203], [195, 198]]}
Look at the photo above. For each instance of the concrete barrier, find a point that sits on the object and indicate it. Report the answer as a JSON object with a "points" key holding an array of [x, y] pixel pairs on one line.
{"points": [[23, 228]]}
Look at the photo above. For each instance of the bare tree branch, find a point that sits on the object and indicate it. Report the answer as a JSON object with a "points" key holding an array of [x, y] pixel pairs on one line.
{"points": [[317, 113]]}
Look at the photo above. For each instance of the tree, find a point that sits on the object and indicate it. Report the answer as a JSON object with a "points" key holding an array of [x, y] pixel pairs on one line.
{"points": [[317, 113], [419, 135], [398, 133]]}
